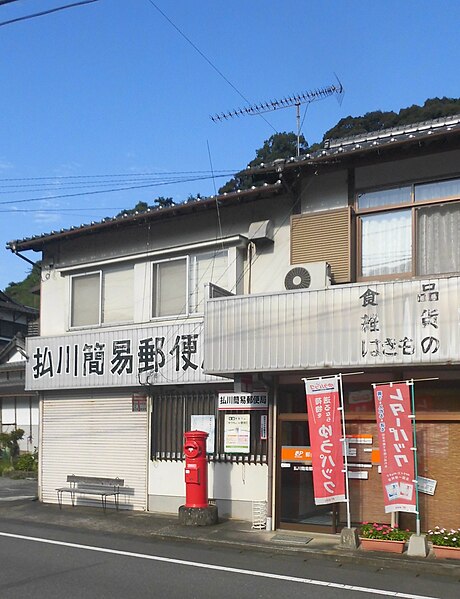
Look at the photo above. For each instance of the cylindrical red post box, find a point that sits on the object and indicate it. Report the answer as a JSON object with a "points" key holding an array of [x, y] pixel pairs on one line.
{"points": [[196, 469]]}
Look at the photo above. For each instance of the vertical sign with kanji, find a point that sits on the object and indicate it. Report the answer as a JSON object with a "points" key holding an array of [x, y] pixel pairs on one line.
{"points": [[393, 412], [324, 423]]}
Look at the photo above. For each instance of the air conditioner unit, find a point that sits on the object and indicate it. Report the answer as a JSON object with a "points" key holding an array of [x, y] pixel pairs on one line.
{"points": [[314, 275]]}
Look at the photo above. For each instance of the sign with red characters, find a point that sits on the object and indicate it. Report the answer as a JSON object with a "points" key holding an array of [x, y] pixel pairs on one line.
{"points": [[393, 412], [324, 424]]}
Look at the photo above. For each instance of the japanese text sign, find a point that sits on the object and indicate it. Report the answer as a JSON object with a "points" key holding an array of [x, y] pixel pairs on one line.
{"points": [[324, 424], [243, 401], [393, 412], [117, 357]]}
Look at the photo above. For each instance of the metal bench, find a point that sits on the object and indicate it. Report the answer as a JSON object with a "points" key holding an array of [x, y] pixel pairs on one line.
{"points": [[91, 485]]}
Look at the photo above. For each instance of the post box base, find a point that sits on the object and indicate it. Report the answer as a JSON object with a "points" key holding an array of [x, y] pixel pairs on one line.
{"points": [[198, 516]]}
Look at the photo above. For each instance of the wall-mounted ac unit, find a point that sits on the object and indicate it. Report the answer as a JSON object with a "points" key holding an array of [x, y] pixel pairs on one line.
{"points": [[314, 275]]}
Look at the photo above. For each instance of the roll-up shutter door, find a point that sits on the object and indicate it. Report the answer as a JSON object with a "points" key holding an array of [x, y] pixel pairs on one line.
{"points": [[94, 435], [323, 236]]}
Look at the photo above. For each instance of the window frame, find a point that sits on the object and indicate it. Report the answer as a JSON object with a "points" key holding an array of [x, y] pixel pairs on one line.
{"points": [[413, 205], [153, 266], [101, 272], [71, 299], [191, 284]]}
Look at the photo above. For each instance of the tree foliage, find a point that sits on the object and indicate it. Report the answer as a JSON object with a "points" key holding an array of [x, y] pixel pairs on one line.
{"points": [[22, 292], [159, 202], [279, 145], [433, 108]]}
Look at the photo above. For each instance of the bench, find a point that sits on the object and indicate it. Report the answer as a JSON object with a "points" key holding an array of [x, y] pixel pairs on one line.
{"points": [[91, 485]]}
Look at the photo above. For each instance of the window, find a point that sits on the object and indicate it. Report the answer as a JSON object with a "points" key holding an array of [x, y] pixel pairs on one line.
{"points": [[102, 297], [400, 230], [211, 267], [172, 416], [170, 288], [179, 284], [386, 243]]}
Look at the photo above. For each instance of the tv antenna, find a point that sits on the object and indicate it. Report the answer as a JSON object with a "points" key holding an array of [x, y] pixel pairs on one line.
{"points": [[295, 100]]}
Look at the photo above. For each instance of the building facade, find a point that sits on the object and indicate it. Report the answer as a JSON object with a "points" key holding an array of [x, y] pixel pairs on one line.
{"points": [[346, 261], [18, 408]]}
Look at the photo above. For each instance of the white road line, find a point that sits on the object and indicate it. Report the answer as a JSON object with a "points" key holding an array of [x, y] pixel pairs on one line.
{"points": [[321, 583]]}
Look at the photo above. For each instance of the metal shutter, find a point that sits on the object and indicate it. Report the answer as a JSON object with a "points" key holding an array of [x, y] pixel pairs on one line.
{"points": [[94, 435], [323, 236]]}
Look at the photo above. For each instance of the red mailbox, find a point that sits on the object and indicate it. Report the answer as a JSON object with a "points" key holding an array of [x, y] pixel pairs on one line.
{"points": [[196, 469]]}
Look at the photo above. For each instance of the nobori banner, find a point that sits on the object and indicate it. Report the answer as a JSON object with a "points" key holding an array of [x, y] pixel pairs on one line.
{"points": [[243, 401], [394, 423], [325, 427], [117, 357]]}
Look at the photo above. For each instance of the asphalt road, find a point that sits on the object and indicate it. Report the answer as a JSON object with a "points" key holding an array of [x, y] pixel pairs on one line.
{"points": [[44, 562]]}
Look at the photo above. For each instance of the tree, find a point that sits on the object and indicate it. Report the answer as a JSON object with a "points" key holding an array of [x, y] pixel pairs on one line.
{"points": [[159, 202], [279, 145], [432, 108], [22, 292], [9, 443]]}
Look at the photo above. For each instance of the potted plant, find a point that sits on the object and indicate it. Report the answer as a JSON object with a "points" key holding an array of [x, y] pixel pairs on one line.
{"points": [[382, 537], [446, 543]]}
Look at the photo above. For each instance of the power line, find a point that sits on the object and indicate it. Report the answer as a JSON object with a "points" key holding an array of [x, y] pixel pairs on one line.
{"points": [[148, 174], [211, 64], [99, 191], [44, 12]]}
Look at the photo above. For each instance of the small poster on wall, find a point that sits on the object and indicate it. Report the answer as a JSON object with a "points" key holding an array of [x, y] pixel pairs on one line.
{"points": [[237, 433], [206, 423]]}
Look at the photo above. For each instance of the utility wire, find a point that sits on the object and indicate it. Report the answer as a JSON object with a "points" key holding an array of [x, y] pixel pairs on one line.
{"points": [[45, 12], [129, 188], [148, 174], [211, 64]]}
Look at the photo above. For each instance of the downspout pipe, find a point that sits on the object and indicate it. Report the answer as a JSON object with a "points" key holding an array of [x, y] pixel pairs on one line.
{"points": [[12, 247]]}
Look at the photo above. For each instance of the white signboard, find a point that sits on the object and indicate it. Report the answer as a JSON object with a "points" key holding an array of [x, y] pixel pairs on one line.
{"points": [[426, 485], [237, 433], [151, 355], [243, 401], [206, 423]]}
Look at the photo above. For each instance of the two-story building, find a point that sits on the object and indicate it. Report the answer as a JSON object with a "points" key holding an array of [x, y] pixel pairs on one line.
{"points": [[18, 408], [345, 261]]}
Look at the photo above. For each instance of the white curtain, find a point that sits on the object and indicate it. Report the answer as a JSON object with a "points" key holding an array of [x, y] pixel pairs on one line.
{"points": [[170, 288], [118, 295], [86, 293], [438, 239], [386, 243]]}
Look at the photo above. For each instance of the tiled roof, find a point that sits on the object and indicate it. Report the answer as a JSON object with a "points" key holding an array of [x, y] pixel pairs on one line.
{"points": [[37, 241], [338, 149]]}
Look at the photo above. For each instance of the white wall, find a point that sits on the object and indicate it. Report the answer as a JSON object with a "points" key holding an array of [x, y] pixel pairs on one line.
{"points": [[270, 262], [232, 486]]}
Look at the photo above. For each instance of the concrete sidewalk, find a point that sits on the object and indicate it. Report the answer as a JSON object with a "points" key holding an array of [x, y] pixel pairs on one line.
{"points": [[230, 533]]}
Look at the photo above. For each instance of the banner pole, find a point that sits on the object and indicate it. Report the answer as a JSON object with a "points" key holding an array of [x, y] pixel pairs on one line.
{"points": [[414, 443], [345, 453]]}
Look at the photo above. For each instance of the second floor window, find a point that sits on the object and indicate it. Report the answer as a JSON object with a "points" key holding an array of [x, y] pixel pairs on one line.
{"points": [[102, 297], [179, 284], [170, 288], [412, 230]]}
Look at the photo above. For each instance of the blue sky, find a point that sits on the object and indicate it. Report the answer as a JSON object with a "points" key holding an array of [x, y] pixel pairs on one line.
{"points": [[112, 88]]}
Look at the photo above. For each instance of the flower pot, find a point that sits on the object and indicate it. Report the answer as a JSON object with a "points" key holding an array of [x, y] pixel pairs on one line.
{"points": [[446, 552], [382, 545]]}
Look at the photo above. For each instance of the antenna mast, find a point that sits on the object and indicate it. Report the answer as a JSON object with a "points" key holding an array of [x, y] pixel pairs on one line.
{"points": [[295, 100]]}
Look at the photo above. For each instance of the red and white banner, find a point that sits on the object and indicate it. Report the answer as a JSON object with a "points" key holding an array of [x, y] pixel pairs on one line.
{"points": [[325, 428], [393, 411]]}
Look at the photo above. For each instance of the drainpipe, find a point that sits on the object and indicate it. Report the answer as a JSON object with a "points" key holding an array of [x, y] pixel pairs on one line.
{"points": [[271, 458]]}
